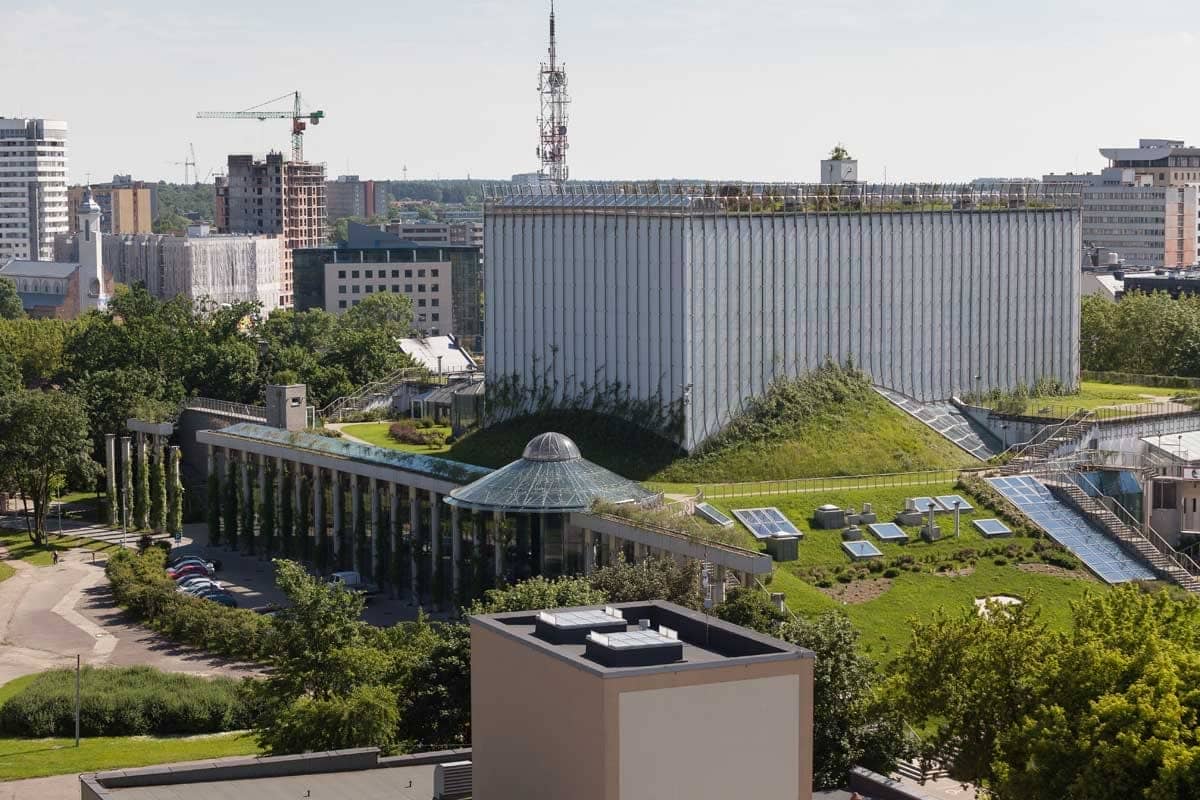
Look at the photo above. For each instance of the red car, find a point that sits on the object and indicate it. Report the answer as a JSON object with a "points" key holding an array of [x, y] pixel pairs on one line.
{"points": [[187, 570]]}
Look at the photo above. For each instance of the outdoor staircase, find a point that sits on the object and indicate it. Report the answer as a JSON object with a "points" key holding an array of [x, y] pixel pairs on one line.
{"points": [[370, 397], [1042, 446], [914, 771], [1174, 566]]}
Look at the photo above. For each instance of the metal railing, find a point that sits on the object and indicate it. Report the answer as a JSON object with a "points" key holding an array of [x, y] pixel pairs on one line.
{"points": [[846, 483], [1061, 411], [1139, 379], [225, 407], [385, 386], [1044, 435]]}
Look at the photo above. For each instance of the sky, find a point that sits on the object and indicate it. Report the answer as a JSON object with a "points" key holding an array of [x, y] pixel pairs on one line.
{"points": [[758, 89]]}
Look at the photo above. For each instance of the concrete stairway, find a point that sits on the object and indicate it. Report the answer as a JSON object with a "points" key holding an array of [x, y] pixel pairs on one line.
{"points": [[1041, 447], [1169, 566]]}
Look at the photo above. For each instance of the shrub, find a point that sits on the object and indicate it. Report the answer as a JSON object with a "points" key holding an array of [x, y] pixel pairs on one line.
{"points": [[844, 578], [406, 432], [1000, 562], [824, 583], [140, 585], [425, 422], [128, 701], [891, 573], [875, 566]]}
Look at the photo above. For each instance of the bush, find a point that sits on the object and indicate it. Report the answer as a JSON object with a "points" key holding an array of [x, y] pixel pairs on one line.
{"points": [[844, 578], [891, 573], [140, 585], [130, 701], [875, 566], [1000, 562], [406, 432]]}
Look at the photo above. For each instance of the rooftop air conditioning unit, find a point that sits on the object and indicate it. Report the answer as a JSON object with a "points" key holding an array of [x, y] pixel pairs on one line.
{"points": [[452, 781]]}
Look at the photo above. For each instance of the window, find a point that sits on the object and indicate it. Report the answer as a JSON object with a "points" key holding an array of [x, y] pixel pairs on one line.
{"points": [[408, 273], [420, 287], [420, 273], [342, 289], [434, 302], [370, 288], [341, 273], [1164, 495], [370, 273], [356, 302], [395, 273], [354, 273], [354, 290], [421, 303], [341, 303], [434, 318], [433, 273], [408, 288], [396, 288]]}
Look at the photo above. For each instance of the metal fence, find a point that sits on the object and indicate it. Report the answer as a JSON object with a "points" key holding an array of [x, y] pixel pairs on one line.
{"points": [[1137, 379], [1053, 412], [846, 483], [225, 407]]}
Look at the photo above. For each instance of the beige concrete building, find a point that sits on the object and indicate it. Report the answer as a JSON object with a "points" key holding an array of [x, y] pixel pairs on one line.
{"points": [[123, 209], [638, 701]]}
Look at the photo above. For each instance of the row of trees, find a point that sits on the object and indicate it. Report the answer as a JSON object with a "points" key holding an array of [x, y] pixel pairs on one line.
{"points": [[1145, 334]]}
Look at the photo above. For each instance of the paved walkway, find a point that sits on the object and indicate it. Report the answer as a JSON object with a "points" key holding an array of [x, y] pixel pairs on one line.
{"points": [[58, 787]]}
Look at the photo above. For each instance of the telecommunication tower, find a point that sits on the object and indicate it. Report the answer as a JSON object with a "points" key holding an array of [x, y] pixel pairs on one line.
{"points": [[552, 121]]}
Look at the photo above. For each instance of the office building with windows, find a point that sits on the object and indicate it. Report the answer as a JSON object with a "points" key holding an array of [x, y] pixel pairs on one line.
{"points": [[347, 196], [33, 187], [696, 298], [465, 232], [123, 209]]}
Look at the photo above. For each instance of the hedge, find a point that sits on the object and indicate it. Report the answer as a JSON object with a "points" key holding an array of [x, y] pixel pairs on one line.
{"points": [[130, 701], [140, 585]]}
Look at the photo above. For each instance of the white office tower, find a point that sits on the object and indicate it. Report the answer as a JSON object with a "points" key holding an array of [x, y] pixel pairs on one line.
{"points": [[91, 283], [33, 187]]}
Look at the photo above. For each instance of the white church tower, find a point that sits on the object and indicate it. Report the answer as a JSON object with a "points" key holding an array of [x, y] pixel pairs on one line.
{"points": [[91, 264]]}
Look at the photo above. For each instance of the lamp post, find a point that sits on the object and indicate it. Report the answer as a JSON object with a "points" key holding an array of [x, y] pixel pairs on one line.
{"points": [[124, 514]]}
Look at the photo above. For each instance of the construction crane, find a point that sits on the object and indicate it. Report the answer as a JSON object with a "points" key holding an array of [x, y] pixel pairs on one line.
{"points": [[186, 163], [300, 120]]}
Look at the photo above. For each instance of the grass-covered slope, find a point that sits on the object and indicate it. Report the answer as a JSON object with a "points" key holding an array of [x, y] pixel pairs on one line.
{"points": [[829, 422]]}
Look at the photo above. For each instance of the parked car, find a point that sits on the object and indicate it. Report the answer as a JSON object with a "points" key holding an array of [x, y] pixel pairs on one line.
{"points": [[177, 561], [208, 591], [191, 586], [352, 581], [191, 568], [227, 600]]}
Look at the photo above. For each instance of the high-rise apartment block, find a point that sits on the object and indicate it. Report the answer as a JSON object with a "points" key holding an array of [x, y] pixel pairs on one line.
{"points": [[274, 197], [123, 209], [33, 187], [350, 197]]}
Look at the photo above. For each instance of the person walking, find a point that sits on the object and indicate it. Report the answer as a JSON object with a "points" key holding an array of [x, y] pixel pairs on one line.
{"points": [[55, 557]]}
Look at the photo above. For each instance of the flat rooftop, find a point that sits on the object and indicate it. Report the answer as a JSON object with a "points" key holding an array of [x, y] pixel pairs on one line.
{"points": [[360, 774], [689, 639]]}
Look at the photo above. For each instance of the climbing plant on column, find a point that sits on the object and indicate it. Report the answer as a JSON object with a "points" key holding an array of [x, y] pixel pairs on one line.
{"points": [[158, 492], [126, 485], [287, 514], [141, 490], [361, 544], [246, 503], [230, 508], [214, 509], [266, 516], [304, 515], [175, 506]]}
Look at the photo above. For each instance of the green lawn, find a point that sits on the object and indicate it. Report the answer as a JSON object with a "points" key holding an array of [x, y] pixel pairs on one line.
{"points": [[1093, 395], [376, 433], [35, 758], [19, 546], [6, 571], [884, 622]]}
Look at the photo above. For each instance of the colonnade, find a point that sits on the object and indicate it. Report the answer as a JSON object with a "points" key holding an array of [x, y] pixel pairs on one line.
{"points": [[133, 459]]}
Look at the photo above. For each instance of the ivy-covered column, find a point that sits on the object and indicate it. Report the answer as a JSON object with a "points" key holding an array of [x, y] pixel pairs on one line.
{"points": [[373, 531], [110, 477], [175, 496], [414, 539], [247, 506], [141, 495], [498, 546], [435, 546], [126, 480], [212, 515], [335, 494], [455, 552], [393, 537], [320, 546], [357, 524]]}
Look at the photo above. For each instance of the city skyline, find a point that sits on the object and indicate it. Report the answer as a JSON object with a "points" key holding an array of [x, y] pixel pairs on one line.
{"points": [[677, 90]]}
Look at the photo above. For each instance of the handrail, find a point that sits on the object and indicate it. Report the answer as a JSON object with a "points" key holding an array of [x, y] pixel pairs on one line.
{"points": [[842, 483], [1045, 434], [665, 531], [225, 407]]}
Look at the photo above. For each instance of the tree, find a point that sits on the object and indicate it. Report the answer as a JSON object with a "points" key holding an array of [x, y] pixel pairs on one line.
{"points": [[386, 312], [839, 153], [10, 301], [158, 490], [41, 435], [214, 509], [10, 375], [651, 579], [751, 609], [435, 709], [175, 515], [266, 514], [367, 716], [170, 222], [540, 593]]}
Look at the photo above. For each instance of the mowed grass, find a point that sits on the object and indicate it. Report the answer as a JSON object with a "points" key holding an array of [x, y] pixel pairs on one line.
{"points": [[36, 758], [6, 571], [376, 433], [885, 622], [1093, 395], [19, 546]]}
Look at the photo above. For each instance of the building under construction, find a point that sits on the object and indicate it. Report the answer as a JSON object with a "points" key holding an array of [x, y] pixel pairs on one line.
{"points": [[274, 197]]}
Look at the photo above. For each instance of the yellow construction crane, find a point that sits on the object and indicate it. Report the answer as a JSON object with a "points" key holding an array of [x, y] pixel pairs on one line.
{"points": [[299, 119]]}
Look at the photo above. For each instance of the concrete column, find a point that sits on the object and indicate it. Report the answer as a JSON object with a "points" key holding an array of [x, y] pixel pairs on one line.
{"points": [[262, 499], [355, 518], [335, 530], [718, 589], [143, 463], [126, 490], [211, 457], [373, 533], [498, 546], [455, 552], [278, 498], [246, 493], [393, 529], [615, 548], [318, 499], [297, 479], [414, 539], [174, 484], [110, 475], [435, 537]]}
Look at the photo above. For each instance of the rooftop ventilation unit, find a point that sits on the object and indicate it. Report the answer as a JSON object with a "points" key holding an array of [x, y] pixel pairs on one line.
{"points": [[452, 780], [638, 648], [572, 627]]}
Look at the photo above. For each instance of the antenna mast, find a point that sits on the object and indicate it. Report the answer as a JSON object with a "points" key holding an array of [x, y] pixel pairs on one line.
{"points": [[552, 121]]}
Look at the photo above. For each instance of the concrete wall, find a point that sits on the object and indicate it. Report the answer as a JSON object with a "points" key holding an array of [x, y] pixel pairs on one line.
{"points": [[924, 301]]}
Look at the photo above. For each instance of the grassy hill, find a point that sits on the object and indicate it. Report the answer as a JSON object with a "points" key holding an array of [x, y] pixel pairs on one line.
{"points": [[829, 422]]}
